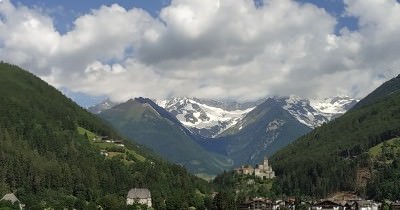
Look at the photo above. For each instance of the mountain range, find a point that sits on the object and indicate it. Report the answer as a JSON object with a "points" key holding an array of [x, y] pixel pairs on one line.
{"points": [[220, 135]]}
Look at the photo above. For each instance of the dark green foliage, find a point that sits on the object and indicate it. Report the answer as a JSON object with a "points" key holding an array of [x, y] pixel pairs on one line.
{"points": [[50, 164], [328, 159], [386, 181], [224, 200], [7, 205], [244, 187], [234, 189]]}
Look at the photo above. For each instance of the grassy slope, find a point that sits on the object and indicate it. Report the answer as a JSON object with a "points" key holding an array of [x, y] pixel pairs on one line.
{"points": [[109, 146], [392, 146]]}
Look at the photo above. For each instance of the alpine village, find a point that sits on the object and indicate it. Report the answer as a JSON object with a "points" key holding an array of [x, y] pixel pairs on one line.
{"points": [[169, 151]]}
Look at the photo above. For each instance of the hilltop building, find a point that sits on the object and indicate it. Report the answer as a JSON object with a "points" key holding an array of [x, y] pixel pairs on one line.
{"points": [[261, 170], [139, 195]]}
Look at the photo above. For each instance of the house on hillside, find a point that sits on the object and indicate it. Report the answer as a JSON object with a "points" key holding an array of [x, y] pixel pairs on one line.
{"points": [[247, 170], [140, 196], [13, 199], [257, 203]]}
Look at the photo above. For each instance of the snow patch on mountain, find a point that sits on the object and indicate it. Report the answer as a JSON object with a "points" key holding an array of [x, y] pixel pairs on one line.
{"points": [[209, 118], [314, 113], [333, 107], [274, 125], [204, 119], [302, 110], [104, 105]]}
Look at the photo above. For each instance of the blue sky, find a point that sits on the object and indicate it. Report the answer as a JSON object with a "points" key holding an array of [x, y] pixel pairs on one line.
{"points": [[226, 49], [65, 12]]}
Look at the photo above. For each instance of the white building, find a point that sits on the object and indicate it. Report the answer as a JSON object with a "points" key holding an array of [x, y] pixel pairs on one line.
{"points": [[264, 170], [140, 196]]}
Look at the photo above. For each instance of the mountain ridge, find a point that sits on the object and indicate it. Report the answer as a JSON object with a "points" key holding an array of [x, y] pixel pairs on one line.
{"points": [[210, 118], [244, 136]]}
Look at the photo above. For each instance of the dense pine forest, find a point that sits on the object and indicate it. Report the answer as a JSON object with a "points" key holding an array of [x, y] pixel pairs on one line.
{"points": [[48, 163]]}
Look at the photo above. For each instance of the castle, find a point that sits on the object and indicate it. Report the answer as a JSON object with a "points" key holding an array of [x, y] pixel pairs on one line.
{"points": [[263, 170]]}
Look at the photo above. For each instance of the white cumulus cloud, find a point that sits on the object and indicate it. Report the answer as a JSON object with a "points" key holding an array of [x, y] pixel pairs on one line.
{"points": [[208, 49]]}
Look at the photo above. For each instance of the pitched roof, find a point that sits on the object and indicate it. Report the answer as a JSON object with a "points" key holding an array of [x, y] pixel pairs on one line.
{"points": [[10, 197], [135, 193]]}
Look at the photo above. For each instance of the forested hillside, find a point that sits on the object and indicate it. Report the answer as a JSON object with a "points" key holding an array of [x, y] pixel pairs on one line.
{"points": [[143, 120], [336, 157], [48, 163]]}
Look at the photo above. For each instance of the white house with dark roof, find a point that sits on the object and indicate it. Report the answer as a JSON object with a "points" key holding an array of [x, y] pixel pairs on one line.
{"points": [[139, 195]]}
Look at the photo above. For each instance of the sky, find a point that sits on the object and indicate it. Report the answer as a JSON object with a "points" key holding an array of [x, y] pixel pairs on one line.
{"points": [[239, 50]]}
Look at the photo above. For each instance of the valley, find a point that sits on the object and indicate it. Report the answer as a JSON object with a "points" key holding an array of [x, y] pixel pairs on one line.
{"points": [[200, 105], [356, 152], [239, 133]]}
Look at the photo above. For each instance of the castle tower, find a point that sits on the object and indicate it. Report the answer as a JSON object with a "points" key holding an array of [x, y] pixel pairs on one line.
{"points": [[266, 166]]}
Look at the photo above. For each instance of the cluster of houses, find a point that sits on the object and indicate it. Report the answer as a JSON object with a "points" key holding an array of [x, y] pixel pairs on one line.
{"points": [[106, 139], [263, 170], [268, 204]]}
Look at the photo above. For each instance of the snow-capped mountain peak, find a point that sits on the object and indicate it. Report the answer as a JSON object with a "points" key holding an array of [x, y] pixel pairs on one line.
{"points": [[104, 105], [210, 118], [314, 113], [301, 109], [206, 119]]}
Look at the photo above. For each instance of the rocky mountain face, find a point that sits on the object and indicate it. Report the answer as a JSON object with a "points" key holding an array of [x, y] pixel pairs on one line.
{"points": [[210, 118], [207, 118], [263, 131], [274, 124], [314, 113]]}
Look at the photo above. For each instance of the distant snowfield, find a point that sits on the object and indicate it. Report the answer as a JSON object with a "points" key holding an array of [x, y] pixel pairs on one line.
{"points": [[214, 117], [193, 114], [312, 113]]}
